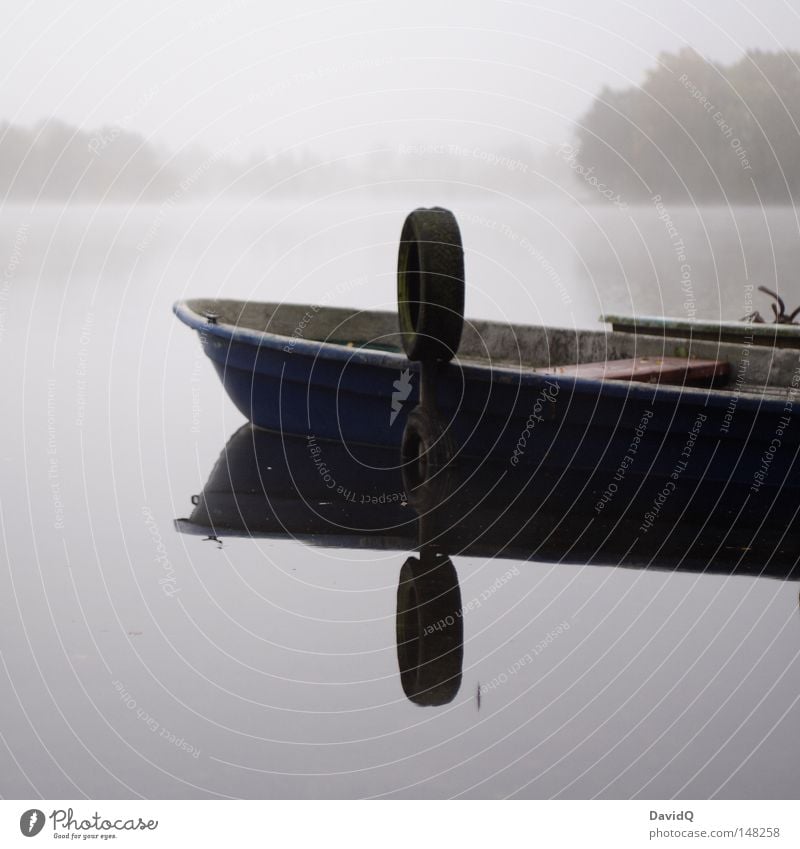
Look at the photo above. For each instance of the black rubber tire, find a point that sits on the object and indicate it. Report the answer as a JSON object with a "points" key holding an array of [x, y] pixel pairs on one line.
{"points": [[430, 630], [430, 285], [427, 455]]}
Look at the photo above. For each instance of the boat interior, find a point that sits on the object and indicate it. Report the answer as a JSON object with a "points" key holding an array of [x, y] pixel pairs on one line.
{"points": [[653, 353]]}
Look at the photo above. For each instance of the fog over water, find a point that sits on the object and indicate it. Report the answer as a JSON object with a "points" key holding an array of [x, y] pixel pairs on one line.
{"points": [[348, 76]]}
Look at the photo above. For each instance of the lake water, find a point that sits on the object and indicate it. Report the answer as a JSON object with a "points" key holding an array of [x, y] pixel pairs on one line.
{"points": [[137, 661]]}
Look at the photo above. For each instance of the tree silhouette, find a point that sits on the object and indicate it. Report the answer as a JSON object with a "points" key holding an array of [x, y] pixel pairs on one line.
{"points": [[696, 131]]}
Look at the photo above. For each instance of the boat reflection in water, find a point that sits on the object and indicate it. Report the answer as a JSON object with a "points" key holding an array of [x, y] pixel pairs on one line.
{"points": [[316, 491]]}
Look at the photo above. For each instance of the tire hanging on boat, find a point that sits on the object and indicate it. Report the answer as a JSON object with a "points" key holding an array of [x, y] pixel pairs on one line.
{"points": [[430, 285]]}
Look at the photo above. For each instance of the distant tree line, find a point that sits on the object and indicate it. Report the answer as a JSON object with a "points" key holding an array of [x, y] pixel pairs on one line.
{"points": [[696, 131], [55, 161]]}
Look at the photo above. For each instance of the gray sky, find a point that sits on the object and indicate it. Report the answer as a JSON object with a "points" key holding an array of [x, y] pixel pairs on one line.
{"points": [[351, 76]]}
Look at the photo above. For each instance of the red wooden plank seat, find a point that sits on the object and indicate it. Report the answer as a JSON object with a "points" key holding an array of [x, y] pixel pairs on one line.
{"points": [[669, 370]]}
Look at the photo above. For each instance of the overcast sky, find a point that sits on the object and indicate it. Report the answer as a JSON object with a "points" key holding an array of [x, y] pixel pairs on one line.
{"points": [[353, 76]]}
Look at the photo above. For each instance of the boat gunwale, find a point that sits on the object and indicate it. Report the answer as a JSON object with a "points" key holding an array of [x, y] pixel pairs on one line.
{"points": [[311, 347], [487, 370]]}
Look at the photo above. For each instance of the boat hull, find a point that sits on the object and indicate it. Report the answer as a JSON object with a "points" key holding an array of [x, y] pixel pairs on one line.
{"points": [[595, 447]]}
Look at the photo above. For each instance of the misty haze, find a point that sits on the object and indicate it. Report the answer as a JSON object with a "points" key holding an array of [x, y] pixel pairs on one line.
{"points": [[600, 159]]}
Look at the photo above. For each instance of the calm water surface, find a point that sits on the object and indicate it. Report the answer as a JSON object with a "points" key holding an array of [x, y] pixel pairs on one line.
{"points": [[137, 661]]}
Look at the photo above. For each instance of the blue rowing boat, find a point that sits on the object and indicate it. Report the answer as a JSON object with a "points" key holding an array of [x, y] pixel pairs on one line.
{"points": [[665, 416]]}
